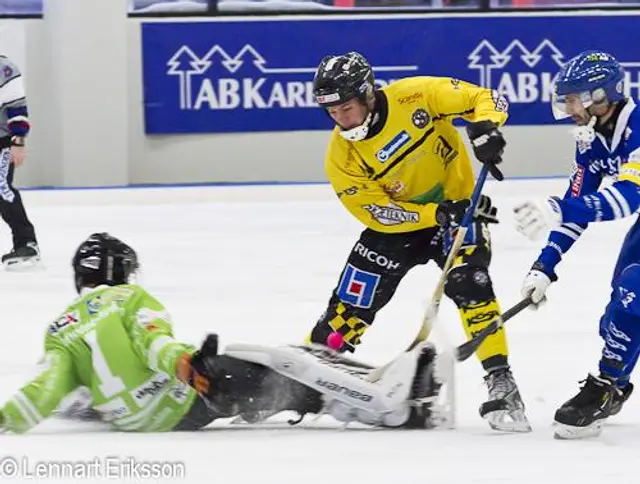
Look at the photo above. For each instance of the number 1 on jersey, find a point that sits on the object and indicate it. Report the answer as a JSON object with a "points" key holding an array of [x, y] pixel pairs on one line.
{"points": [[110, 384]]}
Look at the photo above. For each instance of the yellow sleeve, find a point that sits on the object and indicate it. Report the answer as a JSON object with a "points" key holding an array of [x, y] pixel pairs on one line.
{"points": [[630, 171], [452, 98], [366, 199]]}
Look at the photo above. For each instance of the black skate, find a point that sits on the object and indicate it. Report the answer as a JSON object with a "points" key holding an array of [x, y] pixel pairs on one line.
{"points": [[505, 409], [620, 397], [22, 258], [584, 415]]}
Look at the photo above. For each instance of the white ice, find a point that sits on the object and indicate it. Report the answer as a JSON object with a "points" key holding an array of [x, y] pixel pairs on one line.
{"points": [[257, 264]]}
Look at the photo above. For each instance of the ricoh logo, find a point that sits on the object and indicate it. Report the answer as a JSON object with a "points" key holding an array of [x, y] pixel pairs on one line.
{"points": [[524, 73], [219, 80]]}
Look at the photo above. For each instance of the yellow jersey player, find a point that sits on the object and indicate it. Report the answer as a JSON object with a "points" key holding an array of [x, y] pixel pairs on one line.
{"points": [[398, 165]]}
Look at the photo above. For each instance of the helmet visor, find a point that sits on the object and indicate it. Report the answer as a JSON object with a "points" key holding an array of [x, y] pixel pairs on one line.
{"points": [[570, 104]]}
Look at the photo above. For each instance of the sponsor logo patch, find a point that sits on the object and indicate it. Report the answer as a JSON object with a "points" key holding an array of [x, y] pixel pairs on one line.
{"points": [[328, 98], [411, 98], [94, 304], [393, 146], [64, 321], [444, 149], [392, 214], [373, 256], [420, 118], [395, 188], [358, 287], [500, 102], [150, 389], [576, 184]]}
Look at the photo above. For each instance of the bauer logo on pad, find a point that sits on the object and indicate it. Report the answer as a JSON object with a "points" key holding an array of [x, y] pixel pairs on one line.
{"points": [[358, 287]]}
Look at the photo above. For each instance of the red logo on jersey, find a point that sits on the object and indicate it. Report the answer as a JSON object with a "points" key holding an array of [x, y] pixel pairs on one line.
{"points": [[576, 185], [64, 321]]}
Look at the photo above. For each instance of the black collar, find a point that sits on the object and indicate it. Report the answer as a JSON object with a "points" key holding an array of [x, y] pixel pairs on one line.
{"points": [[379, 115]]}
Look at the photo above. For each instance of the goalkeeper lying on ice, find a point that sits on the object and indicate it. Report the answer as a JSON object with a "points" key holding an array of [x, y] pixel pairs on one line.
{"points": [[116, 340]]}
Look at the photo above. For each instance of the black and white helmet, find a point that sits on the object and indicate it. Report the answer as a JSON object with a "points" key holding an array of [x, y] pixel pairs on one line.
{"points": [[340, 78], [103, 259]]}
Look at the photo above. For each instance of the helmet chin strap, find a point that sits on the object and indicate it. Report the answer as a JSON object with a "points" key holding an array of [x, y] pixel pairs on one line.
{"points": [[359, 132]]}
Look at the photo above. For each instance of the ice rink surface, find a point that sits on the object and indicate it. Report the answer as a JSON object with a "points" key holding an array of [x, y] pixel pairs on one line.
{"points": [[257, 264]]}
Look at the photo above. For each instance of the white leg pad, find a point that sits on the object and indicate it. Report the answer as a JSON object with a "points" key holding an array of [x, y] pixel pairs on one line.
{"points": [[350, 396]]}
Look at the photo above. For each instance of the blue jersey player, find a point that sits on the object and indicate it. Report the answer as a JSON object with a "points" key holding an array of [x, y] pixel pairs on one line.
{"points": [[590, 89]]}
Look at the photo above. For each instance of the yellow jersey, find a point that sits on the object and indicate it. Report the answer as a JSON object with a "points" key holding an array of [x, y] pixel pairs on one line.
{"points": [[413, 157]]}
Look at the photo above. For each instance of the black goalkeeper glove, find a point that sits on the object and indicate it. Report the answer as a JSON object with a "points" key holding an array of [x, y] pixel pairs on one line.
{"points": [[488, 145], [198, 370]]}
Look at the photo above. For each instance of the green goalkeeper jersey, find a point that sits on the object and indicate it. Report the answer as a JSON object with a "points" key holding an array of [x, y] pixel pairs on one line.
{"points": [[118, 342]]}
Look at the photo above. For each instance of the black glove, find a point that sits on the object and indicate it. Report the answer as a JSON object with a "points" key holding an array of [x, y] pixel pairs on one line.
{"points": [[451, 212], [485, 211], [488, 145]]}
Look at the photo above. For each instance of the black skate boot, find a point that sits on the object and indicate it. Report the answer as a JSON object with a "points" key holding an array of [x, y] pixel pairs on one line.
{"points": [[584, 415], [424, 392], [620, 396], [22, 258], [505, 409]]}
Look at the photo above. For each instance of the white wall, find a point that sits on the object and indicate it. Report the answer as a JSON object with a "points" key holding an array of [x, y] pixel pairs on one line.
{"points": [[277, 156], [16, 38], [77, 108]]}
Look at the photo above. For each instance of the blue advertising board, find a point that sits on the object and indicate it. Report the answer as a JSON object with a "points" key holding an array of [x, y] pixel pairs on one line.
{"points": [[250, 76]]}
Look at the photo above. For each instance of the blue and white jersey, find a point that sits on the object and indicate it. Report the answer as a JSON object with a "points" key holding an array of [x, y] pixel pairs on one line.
{"points": [[584, 202], [14, 118]]}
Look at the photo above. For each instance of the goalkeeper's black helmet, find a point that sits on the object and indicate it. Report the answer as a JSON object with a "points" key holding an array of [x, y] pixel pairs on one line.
{"points": [[340, 78], [103, 259]]}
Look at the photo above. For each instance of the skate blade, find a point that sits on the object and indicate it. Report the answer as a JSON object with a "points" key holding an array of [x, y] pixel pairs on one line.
{"points": [[504, 421], [24, 265], [570, 432]]}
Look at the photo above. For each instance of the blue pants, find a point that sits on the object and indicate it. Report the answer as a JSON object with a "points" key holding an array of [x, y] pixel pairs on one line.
{"points": [[620, 323]]}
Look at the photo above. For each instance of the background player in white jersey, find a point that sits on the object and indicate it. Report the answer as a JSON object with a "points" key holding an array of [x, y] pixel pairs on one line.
{"points": [[14, 128], [117, 340], [590, 89]]}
